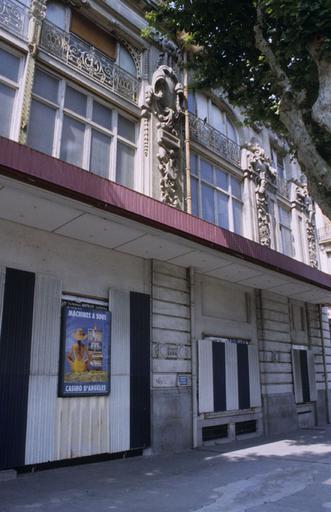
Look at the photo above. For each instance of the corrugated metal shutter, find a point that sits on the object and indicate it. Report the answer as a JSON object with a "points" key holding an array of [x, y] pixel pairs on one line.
{"points": [[231, 375], [296, 367], [15, 351], [119, 410], [254, 376], [44, 364], [311, 375], [206, 391]]}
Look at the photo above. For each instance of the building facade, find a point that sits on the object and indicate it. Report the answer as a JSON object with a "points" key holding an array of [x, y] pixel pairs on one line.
{"points": [[133, 317]]}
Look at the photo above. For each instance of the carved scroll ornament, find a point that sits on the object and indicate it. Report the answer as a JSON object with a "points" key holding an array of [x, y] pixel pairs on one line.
{"points": [[305, 203], [164, 100], [260, 169]]}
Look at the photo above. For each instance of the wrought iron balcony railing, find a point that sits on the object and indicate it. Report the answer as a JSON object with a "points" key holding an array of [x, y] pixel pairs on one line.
{"points": [[78, 54], [283, 187], [324, 234], [208, 136], [14, 17]]}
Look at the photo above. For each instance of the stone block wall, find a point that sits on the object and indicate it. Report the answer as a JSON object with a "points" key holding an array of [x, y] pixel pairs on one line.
{"points": [[171, 358]]}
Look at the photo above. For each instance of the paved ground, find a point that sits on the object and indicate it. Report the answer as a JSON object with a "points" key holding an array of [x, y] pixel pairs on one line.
{"points": [[287, 475]]}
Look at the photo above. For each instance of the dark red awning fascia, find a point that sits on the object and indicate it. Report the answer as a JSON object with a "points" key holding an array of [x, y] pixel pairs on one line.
{"points": [[24, 164]]}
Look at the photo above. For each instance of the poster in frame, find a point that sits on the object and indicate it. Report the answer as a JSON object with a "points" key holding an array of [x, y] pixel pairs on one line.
{"points": [[85, 351]]}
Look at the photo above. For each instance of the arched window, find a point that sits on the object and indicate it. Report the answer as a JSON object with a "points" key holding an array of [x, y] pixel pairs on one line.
{"points": [[192, 103], [125, 61], [231, 131]]}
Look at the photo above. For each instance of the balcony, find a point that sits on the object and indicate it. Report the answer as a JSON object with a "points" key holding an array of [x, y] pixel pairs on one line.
{"points": [[283, 187], [88, 61], [14, 18], [205, 134], [324, 234]]}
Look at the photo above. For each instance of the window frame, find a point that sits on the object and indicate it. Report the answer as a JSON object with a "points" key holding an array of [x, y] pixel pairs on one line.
{"points": [[210, 104], [18, 86], [278, 161], [282, 227], [217, 189], [89, 124]]}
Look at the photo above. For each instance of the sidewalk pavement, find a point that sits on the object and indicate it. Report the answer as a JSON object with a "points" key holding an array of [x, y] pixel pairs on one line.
{"points": [[283, 475]]}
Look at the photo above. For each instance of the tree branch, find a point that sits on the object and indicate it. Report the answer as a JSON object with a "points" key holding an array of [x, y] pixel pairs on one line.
{"points": [[317, 170], [321, 111], [266, 50]]}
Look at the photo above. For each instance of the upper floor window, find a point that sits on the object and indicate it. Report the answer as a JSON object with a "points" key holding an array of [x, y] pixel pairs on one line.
{"points": [[203, 107], [70, 21], [58, 14], [328, 258], [216, 194], [77, 127], [125, 60], [11, 70], [285, 231], [278, 162]]}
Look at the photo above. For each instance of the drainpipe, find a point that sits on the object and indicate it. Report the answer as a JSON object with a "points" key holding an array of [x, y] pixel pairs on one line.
{"points": [[327, 399], [188, 198], [194, 361]]}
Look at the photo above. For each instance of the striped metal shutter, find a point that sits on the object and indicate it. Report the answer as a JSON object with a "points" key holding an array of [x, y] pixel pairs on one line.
{"points": [[206, 386], [44, 365], [119, 411], [220, 376]]}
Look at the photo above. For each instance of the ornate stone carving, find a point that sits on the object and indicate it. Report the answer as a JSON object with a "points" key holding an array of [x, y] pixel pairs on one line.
{"points": [[164, 100], [311, 236], [263, 217], [260, 169], [258, 162], [38, 10], [37, 13], [171, 351], [304, 202]]}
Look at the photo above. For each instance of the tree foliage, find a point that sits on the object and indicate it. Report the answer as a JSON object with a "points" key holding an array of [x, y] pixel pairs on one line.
{"points": [[273, 57]]}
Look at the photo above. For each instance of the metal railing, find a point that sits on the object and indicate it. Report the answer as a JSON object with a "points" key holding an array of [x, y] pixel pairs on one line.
{"points": [[14, 17], [215, 140], [83, 57], [283, 187], [324, 234]]}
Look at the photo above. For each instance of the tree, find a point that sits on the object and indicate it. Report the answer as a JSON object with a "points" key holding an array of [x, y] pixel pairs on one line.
{"points": [[273, 57]]}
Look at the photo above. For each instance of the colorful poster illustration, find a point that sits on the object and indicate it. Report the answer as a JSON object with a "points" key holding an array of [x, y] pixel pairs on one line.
{"points": [[85, 351]]}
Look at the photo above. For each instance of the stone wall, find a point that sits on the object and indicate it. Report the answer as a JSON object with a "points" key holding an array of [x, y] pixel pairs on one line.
{"points": [[171, 359]]}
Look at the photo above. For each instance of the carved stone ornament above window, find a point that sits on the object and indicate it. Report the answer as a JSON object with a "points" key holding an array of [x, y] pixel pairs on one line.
{"points": [[164, 100], [38, 10], [258, 162], [305, 204], [259, 168]]}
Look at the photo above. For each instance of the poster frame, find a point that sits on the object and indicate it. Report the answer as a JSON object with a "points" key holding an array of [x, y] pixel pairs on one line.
{"points": [[63, 334]]}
